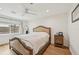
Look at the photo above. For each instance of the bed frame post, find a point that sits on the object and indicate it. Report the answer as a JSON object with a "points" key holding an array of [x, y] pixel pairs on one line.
{"points": [[9, 44], [50, 35]]}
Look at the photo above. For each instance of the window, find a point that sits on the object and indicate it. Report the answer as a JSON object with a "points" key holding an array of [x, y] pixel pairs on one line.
{"points": [[4, 28], [7, 28], [14, 28]]}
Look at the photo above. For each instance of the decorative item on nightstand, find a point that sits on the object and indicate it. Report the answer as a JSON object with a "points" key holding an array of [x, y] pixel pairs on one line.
{"points": [[60, 33], [58, 40]]}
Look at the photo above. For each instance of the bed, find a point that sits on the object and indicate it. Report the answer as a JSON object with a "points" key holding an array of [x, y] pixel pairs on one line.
{"points": [[31, 44]]}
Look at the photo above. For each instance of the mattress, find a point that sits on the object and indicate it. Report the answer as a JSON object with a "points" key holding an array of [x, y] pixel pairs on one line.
{"points": [[35, 40]]}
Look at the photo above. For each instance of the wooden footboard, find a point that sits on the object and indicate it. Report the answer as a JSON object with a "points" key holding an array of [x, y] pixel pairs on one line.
{"points": [[19, 47]]}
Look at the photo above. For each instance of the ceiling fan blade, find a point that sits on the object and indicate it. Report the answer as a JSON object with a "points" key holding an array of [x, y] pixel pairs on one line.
{"points": [[23, 14], [31, 13]]}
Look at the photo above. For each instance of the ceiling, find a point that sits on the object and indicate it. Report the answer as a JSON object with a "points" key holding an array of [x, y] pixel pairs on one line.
{"points": [[40, 9]]}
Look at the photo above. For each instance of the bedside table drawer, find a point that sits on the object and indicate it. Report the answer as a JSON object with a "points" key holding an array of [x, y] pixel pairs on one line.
{"points": [[58, 40]]}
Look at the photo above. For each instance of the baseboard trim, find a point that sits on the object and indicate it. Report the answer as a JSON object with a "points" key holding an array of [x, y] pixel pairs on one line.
{"points": [[66, 47], [72, 50]]}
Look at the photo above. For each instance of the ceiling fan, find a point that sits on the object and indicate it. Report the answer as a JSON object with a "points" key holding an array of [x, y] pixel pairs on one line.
{"points": [[25, 10]]}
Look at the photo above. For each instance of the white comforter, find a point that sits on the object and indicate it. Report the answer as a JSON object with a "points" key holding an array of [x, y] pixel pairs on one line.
{"points": [[35, 40]]}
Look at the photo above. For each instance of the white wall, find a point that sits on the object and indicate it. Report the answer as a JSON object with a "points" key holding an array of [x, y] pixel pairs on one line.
{"points": [[73, 34], [57, 23]]}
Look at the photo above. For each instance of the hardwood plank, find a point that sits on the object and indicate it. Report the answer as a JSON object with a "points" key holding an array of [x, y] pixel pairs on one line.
{"points": [[52, 50]]}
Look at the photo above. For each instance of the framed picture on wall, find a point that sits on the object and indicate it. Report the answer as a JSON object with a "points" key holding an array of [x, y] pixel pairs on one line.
{"points": [[75, 14]]}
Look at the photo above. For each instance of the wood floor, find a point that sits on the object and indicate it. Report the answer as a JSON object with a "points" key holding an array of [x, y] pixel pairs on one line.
{"points": [[51, 50]]}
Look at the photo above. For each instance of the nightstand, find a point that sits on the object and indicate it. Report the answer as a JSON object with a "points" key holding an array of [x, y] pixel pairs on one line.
{"points": [[58, 40]]}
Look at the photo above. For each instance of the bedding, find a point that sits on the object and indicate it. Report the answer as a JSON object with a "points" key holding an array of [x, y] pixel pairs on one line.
{"points": [[35, 40]]}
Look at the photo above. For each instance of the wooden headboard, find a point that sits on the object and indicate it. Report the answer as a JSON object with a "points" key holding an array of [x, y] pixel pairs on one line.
{"points": [[43, 29]]}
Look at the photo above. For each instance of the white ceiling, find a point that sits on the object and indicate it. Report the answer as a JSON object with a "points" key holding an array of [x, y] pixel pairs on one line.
{"points": [[38, 8]]}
